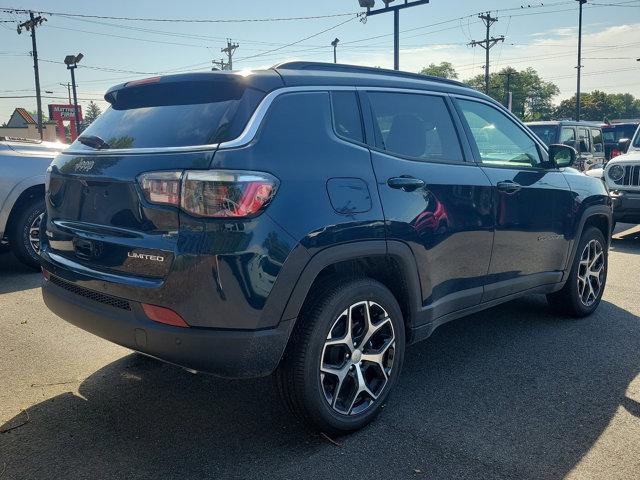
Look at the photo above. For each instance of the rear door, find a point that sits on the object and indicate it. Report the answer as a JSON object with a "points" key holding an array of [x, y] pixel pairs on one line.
{"points": [[584, 148], [598, 146], [433, 200], [532, 203]]}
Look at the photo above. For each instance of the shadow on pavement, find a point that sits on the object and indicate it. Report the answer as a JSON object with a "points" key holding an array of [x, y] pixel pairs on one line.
{"points": [[14, 276], [513, 392]]}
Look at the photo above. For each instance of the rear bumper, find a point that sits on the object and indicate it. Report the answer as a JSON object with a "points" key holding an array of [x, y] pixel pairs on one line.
{"points": [[225, 353], [626, 206]]}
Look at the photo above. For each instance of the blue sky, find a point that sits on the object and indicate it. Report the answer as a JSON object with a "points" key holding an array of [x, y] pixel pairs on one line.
{"points": [[542, 37]]}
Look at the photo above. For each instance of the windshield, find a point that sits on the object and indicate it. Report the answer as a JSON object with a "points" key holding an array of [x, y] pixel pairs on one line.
{"points": [[547, 133], [172, 115], [636, 139]]}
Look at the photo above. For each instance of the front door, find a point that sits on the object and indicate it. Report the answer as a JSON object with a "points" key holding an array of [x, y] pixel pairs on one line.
{"points": [[532, 202], [433, 200]]}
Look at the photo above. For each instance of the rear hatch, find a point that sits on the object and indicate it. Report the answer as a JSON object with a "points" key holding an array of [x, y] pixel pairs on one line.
{"points": [[98, 218]]}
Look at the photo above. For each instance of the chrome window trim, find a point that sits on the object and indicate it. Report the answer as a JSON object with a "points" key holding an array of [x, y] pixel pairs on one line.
{"points": [[250, 130]]}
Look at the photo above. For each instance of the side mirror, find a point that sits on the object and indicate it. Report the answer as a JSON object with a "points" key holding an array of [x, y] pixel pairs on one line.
{"points": [[562, 155], [623, 144]]}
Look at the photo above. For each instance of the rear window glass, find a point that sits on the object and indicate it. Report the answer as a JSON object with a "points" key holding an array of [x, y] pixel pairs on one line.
{"points": [[174, 115], [615, 133], [547, 133]]}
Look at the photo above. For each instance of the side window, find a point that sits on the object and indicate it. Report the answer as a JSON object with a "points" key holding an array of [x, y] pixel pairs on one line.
{"points": [[596, 137], [583, 140], [415, 126], [568, 136], [346, 116], [499, 139]]}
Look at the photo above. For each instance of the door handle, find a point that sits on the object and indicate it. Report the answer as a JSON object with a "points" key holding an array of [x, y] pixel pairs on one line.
{"points": [[509, 187], [405, 183]]}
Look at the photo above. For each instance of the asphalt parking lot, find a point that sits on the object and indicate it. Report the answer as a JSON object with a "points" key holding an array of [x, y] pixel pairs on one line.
{"points": [[512, 392]]}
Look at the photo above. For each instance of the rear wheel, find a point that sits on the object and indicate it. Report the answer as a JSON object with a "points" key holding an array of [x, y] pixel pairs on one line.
{"points": [[24, 236], [344, 356], [583, 291]]}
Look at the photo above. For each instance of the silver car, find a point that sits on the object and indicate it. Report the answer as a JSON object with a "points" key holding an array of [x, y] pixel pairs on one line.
{"points": [[23, 167]]}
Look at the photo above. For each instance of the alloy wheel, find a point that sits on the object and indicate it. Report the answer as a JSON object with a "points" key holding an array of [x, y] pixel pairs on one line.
{"points": [[357, 358], [34, 233], [591, 273]]}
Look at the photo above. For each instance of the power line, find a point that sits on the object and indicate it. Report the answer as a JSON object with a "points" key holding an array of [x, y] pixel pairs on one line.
{"points": [[183, 20]]}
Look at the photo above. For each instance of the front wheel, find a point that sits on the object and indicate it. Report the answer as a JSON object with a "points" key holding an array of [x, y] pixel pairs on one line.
{"points": [[583, 290], [344, 357]]}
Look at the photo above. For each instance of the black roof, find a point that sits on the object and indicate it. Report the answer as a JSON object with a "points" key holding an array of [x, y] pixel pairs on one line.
{"points": [[316, 74]]}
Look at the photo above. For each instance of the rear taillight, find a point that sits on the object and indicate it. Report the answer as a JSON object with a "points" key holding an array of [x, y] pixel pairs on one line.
{"points": [[225, 194], [211, 193], [161, 187]]}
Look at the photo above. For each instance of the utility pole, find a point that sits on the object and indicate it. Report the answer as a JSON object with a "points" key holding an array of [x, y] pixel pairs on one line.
{"points": [[30, 25], [369, 4], [230, 50], [221, 64], [68, 85], [581, 2], [334, 44], [508, 102], [488, 43]]}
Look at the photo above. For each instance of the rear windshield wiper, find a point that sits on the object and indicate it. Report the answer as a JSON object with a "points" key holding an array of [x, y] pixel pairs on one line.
{"points": [[93, 141]]}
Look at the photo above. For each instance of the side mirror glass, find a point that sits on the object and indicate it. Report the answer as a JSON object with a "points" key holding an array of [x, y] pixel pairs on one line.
{"points": [[562, 155], [623, 144]]}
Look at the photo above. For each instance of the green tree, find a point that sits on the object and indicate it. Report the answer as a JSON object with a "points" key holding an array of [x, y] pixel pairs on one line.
{"points": [[443, 70], [598, 106], [93, 112], [532, 96]]}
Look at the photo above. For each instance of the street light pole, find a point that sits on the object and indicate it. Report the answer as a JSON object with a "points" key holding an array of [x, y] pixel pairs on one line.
{"points": [[334, 44], [369, 4], [71, 61], [581, 2]]}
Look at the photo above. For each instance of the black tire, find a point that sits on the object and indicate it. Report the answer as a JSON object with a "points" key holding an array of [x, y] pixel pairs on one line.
{"points": [[568, 301], [19, 235], [299, 379]]}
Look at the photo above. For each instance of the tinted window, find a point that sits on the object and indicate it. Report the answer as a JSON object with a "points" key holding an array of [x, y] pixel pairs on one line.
{"points": [[568, 136], [416, 126], [346, 115], [547, 133], [499, 139], [616, 132], [583, 140], [174, 115], [596, 138]]}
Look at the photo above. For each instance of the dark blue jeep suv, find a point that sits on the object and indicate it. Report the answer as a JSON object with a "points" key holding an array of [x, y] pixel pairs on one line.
{"points": [[311, 220]]}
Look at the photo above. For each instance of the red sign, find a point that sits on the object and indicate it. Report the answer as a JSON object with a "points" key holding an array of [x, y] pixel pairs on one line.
{"points": [[61, 113]]}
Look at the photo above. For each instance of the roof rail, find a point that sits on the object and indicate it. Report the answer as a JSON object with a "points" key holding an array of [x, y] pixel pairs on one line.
{"points": [[6, 138], [339, 67]]}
